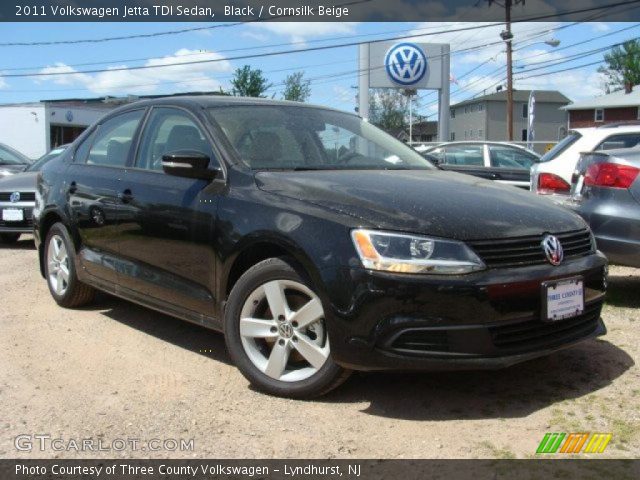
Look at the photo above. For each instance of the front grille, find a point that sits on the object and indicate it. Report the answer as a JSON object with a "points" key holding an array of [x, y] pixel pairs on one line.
{"points": [[24, 196], [536, 334], [422, 341], [515, 252], [27, 223]]}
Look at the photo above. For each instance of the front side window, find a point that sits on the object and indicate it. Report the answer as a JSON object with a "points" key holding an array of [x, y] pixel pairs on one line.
{"points": [[271, 137], [508, 157], [465, 155], [169, 130], [112, 140]]}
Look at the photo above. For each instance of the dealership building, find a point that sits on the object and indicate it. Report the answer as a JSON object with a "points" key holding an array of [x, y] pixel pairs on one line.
{"points": [[37, 127]]}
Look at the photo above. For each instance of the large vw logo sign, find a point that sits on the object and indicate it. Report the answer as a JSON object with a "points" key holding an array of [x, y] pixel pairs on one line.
{"points": [[552, 249], [406, 63]]}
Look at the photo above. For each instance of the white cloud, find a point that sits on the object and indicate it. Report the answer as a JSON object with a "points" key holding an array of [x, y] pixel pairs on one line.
{"points": [[189, 76], [600, 27], [3, 82], [591, 84], [300, 32]]}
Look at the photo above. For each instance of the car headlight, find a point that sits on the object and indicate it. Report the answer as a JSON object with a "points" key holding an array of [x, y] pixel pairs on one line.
{"points": [[395, 252]]}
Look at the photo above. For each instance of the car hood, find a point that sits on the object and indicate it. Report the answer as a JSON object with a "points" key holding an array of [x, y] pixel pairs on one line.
{"points": [[20, 182], [8, 170], [433, 202]]}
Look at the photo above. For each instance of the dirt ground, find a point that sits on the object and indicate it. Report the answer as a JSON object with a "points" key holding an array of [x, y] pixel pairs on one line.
{"points": [[118, 371]]}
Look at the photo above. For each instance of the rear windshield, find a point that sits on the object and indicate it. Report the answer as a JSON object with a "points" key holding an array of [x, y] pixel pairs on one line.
{"points": [[560, 147], [277, 137]]}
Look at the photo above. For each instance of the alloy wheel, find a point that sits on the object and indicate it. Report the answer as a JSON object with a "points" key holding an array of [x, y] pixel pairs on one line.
{"points": [[282, 330], [58, 265]]}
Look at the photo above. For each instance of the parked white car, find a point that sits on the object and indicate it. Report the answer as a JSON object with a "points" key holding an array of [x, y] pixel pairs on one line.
{"points": [[552, 175]]}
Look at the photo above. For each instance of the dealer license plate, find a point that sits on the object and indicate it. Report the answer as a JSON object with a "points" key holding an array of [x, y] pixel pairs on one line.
{"points": [[563, 299], [12, 215]]}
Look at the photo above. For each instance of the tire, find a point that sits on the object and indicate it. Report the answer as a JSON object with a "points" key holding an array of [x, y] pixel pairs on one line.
{"points": [[9, 238], [272, 350], [60, 270]]}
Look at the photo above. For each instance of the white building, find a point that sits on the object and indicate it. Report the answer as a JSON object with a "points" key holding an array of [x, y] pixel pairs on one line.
{"points": [[35, 128]]}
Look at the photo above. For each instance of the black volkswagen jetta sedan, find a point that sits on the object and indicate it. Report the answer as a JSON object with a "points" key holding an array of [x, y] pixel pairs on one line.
{"points": [[317, 243]]}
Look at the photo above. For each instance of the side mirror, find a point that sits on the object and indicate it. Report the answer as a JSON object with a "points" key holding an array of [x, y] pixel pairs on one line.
{"points": [[189, 164]]}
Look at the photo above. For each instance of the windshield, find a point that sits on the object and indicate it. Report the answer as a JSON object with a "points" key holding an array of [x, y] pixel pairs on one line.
{"points": [[38, 164], [9, 156], [560, 147], [273, 137]]}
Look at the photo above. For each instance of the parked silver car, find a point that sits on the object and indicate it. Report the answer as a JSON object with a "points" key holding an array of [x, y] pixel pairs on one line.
{"points": [[17, 199], [606, 193]]}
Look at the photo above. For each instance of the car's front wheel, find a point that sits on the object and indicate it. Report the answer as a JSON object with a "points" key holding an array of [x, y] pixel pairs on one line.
{"points": [[276, 332], [60, 270]]}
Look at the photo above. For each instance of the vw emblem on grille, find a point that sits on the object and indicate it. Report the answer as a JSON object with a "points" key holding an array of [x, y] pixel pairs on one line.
{"points": [[406, 63], [552, 249], [15, 197]]}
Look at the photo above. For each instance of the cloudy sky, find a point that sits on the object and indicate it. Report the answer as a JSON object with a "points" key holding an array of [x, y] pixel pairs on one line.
{"points": [[333, 71]]}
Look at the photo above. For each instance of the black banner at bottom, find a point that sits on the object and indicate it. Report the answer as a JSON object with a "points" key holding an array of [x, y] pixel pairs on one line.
{"points": [[210, 469]]}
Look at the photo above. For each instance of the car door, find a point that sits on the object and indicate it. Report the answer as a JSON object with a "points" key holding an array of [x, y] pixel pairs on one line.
{"points": [[466, 158], [511, 165], [93, 182], [167, 227]]}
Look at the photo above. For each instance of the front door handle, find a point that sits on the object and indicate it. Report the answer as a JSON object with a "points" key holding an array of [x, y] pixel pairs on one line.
{"points": [[73, 188], [126, 196]]}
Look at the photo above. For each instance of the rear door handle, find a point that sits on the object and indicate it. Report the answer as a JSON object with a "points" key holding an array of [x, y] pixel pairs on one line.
{"points": [[126, 196]]}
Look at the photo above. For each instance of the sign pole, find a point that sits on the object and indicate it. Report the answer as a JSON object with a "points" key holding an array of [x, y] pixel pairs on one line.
{"points": [[444, 96], [363, 81]]}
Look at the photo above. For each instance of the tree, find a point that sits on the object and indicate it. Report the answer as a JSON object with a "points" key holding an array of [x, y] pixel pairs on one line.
{"points": [[296, 88], [623, 66], [388, 109], [247, 82]]}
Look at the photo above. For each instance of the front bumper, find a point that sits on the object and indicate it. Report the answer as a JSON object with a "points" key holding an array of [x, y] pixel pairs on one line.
{"points": [[25, 226], [490, 319]]}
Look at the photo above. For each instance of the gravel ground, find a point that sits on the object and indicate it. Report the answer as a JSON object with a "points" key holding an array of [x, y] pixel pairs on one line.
{"points": [[119, 371]]}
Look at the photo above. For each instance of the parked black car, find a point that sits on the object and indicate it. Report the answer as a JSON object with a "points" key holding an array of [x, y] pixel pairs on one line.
{"points": [[606, 193], [316, 242], [499, 161]]}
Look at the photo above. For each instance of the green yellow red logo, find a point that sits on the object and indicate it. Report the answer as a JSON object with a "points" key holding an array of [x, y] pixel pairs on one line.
{"points": [[574, 443]]}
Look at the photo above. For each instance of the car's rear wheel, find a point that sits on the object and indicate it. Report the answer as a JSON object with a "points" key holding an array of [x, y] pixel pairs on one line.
{"points": [[60, 270], [9, 238], [276, 332]]}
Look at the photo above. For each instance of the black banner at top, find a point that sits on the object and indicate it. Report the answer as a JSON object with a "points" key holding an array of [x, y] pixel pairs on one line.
{"points": [[317, 10]]}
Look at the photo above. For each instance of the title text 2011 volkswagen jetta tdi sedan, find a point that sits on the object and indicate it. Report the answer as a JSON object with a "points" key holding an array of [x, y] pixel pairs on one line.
{"points": [[317, 243]]}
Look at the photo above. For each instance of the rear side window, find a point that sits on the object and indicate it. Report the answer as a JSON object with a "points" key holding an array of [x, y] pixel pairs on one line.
{"points": [[465, 155], [169, 130], [621, 140], [508, 157], [112, 140]]}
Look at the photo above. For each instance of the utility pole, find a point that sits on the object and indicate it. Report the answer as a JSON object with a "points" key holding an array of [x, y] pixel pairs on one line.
{"points": [[507, 36]]}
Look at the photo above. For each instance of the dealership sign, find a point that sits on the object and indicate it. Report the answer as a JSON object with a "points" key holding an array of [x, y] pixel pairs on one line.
{"points": [[406, 64]]}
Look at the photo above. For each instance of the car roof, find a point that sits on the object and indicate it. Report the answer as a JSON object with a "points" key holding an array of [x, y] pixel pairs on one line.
{"points": [[208, 101]]}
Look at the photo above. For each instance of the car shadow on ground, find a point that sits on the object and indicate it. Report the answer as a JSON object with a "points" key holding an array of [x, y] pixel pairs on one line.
{"points": [[624, 290], [24, 243], [514, 392], [169, 329]]}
